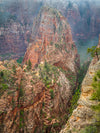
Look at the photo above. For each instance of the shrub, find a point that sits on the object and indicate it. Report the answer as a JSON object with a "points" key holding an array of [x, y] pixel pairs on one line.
{"points": [[1, 74], [74, 101], [20, 60], [89, 129], [4, 86], [29, 65], [21, 92], [47, 72], [94, 51], [14, 68], [96, 86], [52, 93], [96, 96]]}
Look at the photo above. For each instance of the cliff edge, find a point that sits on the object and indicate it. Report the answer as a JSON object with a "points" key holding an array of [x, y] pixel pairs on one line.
{"points": [[84, 116]]}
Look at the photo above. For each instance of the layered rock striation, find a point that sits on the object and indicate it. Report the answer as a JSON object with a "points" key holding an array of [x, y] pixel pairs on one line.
{"points": [[36, 100], [33, 101], [13, 40], [84, 115], [51, 40]]}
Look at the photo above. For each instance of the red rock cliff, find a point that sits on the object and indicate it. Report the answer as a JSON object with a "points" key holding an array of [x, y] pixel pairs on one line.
{"points": [[51, 40]]}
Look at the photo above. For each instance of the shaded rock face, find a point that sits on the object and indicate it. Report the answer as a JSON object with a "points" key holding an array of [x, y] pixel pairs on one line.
{"points": [[51, 40], [15, 27], [13, 40], [83, 17], [26, 104], [84, 116]]}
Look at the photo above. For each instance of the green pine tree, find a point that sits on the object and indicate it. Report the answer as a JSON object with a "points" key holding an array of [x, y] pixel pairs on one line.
{"points": [[29, 65], [94, 51]]}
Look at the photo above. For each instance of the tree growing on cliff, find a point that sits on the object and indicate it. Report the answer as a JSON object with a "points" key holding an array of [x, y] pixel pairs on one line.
{"points": [[96, 96], [94, 51], [29, 65], [14, 69]]}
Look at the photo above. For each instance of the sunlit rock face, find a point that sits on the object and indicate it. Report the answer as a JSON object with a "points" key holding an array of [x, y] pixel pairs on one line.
{"points": [[51, 40], [27, 104], [84, 115]]}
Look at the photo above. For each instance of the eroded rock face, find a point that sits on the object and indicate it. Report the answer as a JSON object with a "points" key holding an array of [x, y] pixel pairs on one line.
{"points": [[51, 40], [84, 116], [15, 27], [27, 104], [13, 40], [83, 17]]}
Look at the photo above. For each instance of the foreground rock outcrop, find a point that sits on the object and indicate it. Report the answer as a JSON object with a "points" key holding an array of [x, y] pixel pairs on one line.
{"points": [[84, 115], [34, 101]]}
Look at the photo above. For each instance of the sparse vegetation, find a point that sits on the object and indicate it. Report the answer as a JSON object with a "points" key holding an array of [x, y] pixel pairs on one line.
{"points": [[81, 74], [4, 86], [20, 60], [51, 43], [13, 103], [29, 65], [21, 122], [70, 76], [1, 74], [6, 80], [48, 74], [96, 96], [82, 71], [95, 128], [72, 47], [94, 51], [89, 129], [73, 102], [14, 69], [52, 93], [58, 46]]}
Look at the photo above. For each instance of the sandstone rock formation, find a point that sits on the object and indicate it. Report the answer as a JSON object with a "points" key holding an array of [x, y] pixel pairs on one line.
{"points": [[27, 103], [13, 40], [16, 19], [36, 100], [83, 17], [84, 116], [51, 40]]}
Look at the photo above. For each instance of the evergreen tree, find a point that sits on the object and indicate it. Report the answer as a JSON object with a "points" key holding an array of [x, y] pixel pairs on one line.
{"points": [[94, 51], [14, 69], [1, 74], [29, 65]]}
